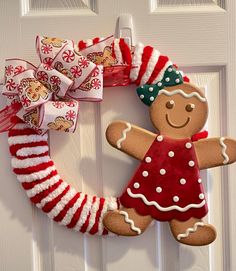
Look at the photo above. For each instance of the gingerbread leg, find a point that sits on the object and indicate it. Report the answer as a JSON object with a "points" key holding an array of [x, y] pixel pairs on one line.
{"points": [[126, 222], [193, 232]]}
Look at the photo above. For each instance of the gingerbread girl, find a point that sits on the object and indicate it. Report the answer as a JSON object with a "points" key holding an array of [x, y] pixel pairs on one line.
{"points": [[167, 185]]}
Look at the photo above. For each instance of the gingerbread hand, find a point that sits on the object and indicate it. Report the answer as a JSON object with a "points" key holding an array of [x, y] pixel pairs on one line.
{"points": [[214, 152], [129, 138]]}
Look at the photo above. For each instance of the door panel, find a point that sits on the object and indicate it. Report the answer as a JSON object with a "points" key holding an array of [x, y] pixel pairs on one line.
{"points": [[198, 35]]}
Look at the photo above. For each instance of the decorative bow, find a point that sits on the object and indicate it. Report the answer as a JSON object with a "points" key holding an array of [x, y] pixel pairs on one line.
{"points": [[171, 77], [46, 97]]}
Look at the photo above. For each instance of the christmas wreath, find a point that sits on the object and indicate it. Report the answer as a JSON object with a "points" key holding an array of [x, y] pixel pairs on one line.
{"points": [[47, 96]]}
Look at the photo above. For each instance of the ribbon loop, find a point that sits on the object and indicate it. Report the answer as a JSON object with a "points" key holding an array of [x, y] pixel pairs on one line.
{"points": [[59, 115], [31, 91], [47, 96], [61, 55], [55, 81]]}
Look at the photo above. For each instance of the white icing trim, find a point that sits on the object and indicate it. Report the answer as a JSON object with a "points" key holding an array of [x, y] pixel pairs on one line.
{"points": [[137, 61], [162, 72], [131, 222], [150, 67], [180, 91], [36, 175], [190, 230], [26, 139], [32, 151], [42, 186], [117, 50], [123, 138], [52, 195], [223, 151], [164, 209], [29, 162]]}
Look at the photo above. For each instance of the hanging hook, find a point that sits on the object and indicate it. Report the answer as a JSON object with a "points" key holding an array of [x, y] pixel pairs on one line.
{"points": [[125, 29]]}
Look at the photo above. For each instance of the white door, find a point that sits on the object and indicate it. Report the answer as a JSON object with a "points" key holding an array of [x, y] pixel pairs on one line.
{"points": [[199, 35]]}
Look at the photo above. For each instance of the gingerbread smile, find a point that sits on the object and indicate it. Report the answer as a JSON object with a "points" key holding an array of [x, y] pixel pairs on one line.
{"points": [[174, 125]]}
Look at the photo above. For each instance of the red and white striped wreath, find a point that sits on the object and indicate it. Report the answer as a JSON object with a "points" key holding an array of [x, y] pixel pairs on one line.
{"points": [[31, 161], [39, 177]]}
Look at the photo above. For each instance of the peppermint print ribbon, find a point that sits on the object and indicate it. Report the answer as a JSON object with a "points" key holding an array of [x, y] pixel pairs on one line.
{"points": [[46, 97], [115, 56]]}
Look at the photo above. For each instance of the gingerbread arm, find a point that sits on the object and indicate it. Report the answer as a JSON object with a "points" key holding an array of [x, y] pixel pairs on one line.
{"points": [[129, 138], [214, 152]]}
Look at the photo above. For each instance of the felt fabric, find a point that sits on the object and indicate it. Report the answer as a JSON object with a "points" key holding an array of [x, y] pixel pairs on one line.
{"points": [[167, 184]]}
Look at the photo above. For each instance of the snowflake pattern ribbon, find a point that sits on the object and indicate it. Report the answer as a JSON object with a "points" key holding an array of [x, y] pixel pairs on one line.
{"points": [[46, 97]]}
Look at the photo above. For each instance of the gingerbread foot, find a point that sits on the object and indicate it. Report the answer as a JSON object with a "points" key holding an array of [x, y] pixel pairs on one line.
{"points": [[193, 232], [126, 222]]}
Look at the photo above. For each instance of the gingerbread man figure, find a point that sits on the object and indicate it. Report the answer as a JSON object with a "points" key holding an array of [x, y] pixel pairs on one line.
{"points": [[167, 185]]}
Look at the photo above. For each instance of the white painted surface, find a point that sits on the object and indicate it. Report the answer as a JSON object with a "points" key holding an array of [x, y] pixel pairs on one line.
{"points": [[198, 35]]}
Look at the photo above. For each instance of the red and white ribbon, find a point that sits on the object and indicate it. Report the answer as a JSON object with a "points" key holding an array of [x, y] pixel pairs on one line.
{"points": [[113, 54], [48, 95]]}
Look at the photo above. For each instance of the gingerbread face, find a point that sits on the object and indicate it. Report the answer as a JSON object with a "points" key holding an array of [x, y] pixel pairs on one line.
{"points": [[56, 42], [179, 111], [34, 89], [32, 117], [61, 124], [105, 58]]}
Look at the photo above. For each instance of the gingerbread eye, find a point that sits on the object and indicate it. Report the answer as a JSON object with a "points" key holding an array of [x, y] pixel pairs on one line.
{"points": [[189, 107], [170, 104]]}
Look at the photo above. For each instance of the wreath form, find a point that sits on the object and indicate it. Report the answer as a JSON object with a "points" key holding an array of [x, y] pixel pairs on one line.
{"points": [[37, 173]]}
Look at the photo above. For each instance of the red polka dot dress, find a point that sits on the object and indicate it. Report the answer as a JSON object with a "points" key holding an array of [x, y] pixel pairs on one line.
{"points": [[167, 184]]}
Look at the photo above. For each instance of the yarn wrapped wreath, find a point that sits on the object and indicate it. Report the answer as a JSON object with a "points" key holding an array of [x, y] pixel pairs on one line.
{"points": [[36, 102]]}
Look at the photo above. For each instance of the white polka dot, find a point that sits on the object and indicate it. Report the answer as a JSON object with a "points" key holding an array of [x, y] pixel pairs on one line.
{"points": [[177, 72], [171, 154], [141, 96], [151, 89], [175, 198], [188, 145], [162, 171], [159, 189], [145, 173], [159, 84], [201, 196], [199, 180], [167, 79], [177, 80], [170, 70], [151, 98], [148, 159], [136, 185], [182, 181], [159, 138], [142, 86], [191, 163]]}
